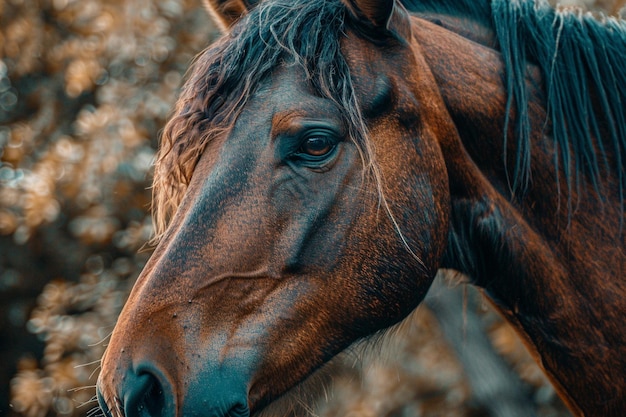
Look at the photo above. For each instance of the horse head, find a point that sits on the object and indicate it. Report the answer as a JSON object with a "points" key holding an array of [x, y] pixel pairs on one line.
{"points": [[301, 201]]}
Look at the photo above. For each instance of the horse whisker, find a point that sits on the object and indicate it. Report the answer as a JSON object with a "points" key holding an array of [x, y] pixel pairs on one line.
{"points": [[103, 339], [87, 364], [81, 388], [94, 371]]}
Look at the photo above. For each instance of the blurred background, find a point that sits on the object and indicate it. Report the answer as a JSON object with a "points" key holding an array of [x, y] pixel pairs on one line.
{"points": [[85, 87]]}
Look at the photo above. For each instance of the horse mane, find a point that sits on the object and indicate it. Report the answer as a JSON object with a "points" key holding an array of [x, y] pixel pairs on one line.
{"points": [[583, 63], [223, 77]]}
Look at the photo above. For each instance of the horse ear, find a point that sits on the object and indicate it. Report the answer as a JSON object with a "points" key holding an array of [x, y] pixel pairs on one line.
{"points": [[226, 12], [385, 15], [377, 12]]}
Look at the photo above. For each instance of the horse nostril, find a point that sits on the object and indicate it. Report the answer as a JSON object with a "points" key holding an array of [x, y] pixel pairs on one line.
{"points": [[154, 399], [145, 397], [239, 410]]}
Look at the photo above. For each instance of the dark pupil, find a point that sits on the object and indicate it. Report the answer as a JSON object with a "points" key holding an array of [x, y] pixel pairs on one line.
{"points": [[317, 146]]}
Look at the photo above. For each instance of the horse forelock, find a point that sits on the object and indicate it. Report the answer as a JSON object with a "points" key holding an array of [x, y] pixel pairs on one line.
{"points": [[223, 77]]}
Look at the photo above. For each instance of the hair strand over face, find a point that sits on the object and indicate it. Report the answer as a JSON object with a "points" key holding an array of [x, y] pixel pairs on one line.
{"points": [[223, 77]]}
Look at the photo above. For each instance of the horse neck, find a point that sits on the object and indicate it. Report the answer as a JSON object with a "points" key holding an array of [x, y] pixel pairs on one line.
{"points": [[555, 270]]}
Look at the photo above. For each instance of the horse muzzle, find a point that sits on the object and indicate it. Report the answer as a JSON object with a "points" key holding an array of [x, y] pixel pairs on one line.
{"points": [[148, 391]]}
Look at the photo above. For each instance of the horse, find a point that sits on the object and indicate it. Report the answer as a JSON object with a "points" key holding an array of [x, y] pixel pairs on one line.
{"points": [[326, 158]]}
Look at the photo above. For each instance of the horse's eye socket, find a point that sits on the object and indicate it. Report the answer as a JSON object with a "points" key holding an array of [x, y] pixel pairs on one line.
{"points": [[317, 146]]}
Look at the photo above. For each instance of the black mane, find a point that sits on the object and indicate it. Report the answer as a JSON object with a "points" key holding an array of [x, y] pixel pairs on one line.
{"points": [[583, 63]]}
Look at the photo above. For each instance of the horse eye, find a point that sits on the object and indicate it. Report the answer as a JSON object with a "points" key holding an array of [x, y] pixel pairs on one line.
{"points": [[317, 146]]}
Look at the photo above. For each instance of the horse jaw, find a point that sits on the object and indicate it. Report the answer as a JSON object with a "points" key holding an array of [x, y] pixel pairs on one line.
{"points": [[311, 396]]}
